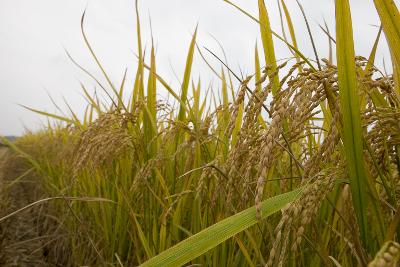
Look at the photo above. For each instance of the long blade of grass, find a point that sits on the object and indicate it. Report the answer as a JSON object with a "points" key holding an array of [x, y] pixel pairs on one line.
{"points": [[50, 115], [73, 114], [214, 235], [303, 57], [121, 91], [257, 72], [186, 77], [166, 86], [291, 30], [91, 100], [110, 83], [375, 94], [268, 43], [143, 240], [349, 101], [149, 127], [139, 85], [84, 199], [91, 76], [372, 55]]}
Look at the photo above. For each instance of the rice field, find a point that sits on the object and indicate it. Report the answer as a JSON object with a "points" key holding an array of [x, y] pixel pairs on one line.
{"points": [[295, 164]]}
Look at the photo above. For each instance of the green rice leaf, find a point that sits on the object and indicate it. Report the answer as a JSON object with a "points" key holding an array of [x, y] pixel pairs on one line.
{"points": [[301, 55], [214, 235], [186, 78], [50, 115], [291, 31], [349, 101]]}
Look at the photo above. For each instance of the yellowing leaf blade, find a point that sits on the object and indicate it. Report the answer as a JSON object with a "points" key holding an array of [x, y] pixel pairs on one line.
{"points": [[268, 43]]}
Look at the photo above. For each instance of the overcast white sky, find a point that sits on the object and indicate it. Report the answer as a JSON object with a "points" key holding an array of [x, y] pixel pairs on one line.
{"points": [[33, 35]]}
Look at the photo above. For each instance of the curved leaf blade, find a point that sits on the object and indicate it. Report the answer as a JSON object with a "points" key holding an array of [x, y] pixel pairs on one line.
{"points": [[214, 235]]}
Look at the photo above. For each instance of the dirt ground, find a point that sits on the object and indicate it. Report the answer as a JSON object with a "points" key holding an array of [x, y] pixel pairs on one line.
{"points": [[29, 238]]}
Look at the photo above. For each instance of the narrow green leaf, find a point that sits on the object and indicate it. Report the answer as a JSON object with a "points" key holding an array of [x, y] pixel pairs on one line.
{"points": [[257, 69], [95, 56], [91, 100], [214, 235], [50, 115], [375, 94], [166, 86], [303, 57], [349, 101], [186, 77], [372, 55], [291, 31], [139, 85], [149, 123], [121, 91], [143, 239]]}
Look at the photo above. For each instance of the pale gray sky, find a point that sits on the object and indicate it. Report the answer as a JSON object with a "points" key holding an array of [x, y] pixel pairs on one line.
{"points": [[33, 35]]}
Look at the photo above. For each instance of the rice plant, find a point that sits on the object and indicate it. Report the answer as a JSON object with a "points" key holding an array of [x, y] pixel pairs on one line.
{"points": [[310, 178]]}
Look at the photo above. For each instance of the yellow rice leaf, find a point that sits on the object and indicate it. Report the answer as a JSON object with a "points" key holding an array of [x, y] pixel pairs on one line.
{"points": [[268, 43]]}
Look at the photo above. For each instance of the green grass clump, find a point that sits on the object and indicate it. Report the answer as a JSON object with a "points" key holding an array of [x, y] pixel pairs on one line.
{"points": [[196, 184]]}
